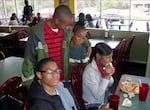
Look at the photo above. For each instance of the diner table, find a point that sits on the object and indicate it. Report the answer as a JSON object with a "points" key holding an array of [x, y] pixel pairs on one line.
{"points": [[111, 42], [136, 104], [9, 67], [117, 24], [4, 35]]}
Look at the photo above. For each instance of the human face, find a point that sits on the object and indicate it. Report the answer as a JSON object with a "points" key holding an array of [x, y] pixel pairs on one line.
{"points": [[80, 36], [49, 80], [103, 60], [63, 24]]}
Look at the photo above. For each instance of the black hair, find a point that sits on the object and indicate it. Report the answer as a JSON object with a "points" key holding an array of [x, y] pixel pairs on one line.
{"points": [[78, 28], [81, 15], [13, 14], [12, 18], [42, 62], [101, 48], [89, 17], [62, 12]]}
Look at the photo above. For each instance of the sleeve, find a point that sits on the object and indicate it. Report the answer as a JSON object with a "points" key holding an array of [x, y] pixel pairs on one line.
{"points": [[111, 81], [66, 42], [97, 87], [70, 98], [30, 57]]}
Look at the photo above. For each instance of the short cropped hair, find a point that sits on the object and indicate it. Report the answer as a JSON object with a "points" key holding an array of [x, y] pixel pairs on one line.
{"points": [[62, 12], [43, 62]]}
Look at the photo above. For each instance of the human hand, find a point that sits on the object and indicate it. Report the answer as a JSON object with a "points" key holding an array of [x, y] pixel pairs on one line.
{"points": [[109, 70], [89, 51], [105, 107]]}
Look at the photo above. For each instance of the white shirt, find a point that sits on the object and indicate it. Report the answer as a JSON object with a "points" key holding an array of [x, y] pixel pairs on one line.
{"points": [[13, 22], [94, 86]]}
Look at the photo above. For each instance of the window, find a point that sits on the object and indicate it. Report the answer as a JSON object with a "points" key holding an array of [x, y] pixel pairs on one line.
{"points": [[139, 14], [116, 14], [46, 8]]}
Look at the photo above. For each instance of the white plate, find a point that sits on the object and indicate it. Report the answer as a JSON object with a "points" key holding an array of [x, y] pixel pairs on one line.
{"points": [[129, 87]]}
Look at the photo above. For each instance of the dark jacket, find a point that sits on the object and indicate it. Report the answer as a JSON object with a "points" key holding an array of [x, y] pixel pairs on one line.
{"points": [[38, 99]]}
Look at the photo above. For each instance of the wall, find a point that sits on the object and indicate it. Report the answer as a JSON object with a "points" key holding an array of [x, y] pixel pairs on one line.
{"points": [[139, 49], [96, 32], [5, 28], [148, 60]]}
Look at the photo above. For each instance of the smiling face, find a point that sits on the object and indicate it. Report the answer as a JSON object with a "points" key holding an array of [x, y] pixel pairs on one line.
{"points": [[80, 36], [49, 80]]}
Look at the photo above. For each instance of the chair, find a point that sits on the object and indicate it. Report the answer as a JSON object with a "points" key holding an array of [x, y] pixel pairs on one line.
{"points": [[20, 46], [76, 83], [7, 46], [15, 93], [147, 26], [130, 25], [118, 63], [119, 57], [13, 45], [127, 51], [25, 105]]}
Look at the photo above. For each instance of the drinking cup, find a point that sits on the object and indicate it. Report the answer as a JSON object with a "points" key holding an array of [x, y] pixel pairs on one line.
{"points": [[114, 101], [143, 91]]}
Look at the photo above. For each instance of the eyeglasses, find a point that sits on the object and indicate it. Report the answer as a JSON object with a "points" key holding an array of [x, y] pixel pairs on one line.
{"points": [[49, 71]]}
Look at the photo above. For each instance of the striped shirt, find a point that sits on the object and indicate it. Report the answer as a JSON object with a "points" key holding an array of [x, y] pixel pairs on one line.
{"points": [[54, 43]]}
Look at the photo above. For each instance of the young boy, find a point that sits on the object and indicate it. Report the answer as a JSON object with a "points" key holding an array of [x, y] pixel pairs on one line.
{"points": [[46, 91]]}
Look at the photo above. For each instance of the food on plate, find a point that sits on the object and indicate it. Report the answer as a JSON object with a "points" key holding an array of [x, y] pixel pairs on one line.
{"points": [[129, 87]]}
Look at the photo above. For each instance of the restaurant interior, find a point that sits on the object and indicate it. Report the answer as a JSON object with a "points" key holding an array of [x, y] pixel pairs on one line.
{"points": [[130, 39]]}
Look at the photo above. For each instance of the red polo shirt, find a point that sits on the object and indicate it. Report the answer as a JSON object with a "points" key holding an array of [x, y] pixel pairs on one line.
{"points": [[54, 42]]}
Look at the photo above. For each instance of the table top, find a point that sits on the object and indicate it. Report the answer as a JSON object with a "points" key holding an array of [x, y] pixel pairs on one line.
{"points": [[136, 104], [4, 34], [118, 24], [112, 43], [14, 26], [9, 67]]}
